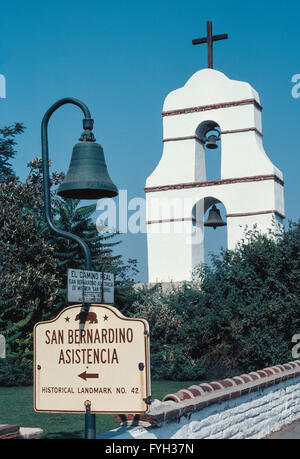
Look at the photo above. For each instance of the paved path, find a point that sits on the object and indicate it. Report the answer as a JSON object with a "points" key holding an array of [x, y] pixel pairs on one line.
{"points": [[289, 432]]}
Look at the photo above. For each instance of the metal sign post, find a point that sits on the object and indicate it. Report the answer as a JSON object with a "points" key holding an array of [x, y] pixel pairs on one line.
{"points": [[85, 189]]}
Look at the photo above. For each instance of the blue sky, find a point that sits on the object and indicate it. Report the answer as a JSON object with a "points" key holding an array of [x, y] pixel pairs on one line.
{"points": [[122, 58]]}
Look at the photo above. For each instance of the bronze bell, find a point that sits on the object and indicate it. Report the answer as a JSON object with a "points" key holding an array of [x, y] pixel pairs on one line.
{"points": [[87, 177], [212, 140], [214, 218]]}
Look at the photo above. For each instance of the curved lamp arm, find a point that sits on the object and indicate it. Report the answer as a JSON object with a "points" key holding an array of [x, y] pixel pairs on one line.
{"points": [[87, 126], [90, 419]]}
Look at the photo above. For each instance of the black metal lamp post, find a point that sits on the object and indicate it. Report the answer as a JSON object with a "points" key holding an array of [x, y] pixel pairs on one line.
{"points": [[87, 178]]}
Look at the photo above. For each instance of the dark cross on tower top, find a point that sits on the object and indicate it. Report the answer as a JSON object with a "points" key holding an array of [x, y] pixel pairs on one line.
{"points": [[209, 40]]}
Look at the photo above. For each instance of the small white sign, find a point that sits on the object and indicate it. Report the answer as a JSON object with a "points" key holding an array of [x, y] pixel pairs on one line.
{"points": [[90, 286]]}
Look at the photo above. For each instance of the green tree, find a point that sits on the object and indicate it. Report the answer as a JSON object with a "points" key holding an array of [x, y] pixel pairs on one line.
{"points": [[7, 150], [253, 293], [77, 219], [34, 263], [28, 280]]}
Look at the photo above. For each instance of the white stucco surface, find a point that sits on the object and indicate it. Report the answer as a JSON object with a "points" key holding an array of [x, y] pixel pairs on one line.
{"points": [[199, 90]]}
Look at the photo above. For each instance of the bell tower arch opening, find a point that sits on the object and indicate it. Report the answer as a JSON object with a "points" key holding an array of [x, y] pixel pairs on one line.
{"points": [[211, 213], [215, 230], [209, 133]]}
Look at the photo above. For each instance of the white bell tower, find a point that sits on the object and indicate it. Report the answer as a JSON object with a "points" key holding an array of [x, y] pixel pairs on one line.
{"points": [[178, 193]]}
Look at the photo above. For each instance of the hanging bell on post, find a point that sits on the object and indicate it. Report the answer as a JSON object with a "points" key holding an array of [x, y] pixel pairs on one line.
{"points": [[87, 177], [214, 218], [212, 139]]}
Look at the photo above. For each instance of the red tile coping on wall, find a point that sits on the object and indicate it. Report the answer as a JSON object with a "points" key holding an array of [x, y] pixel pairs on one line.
{"points": [[8, 431], [236, 380], [197, 397], [14, 431]]}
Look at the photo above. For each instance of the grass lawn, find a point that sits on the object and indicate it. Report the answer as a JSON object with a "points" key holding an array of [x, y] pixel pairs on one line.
{"points": [[16, 407]]}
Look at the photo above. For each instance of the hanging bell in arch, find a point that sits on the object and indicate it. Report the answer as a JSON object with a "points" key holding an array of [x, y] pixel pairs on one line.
{"points": [[87, 177], [214, 218], [212, 139]]}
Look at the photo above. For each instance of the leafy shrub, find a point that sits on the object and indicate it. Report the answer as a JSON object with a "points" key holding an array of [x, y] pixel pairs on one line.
{"points": [[239, 313]]}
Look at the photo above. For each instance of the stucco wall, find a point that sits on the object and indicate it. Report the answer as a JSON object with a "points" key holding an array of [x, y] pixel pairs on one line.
{"points": [[247, 406]]}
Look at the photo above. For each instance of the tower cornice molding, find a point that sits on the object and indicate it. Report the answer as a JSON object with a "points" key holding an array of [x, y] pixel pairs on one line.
{"points": [[203, 108], [229, 181]]}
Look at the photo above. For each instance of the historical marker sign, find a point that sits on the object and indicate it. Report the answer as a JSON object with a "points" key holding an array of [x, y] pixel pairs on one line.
{"points": [[104, 361], [90, 286]]}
